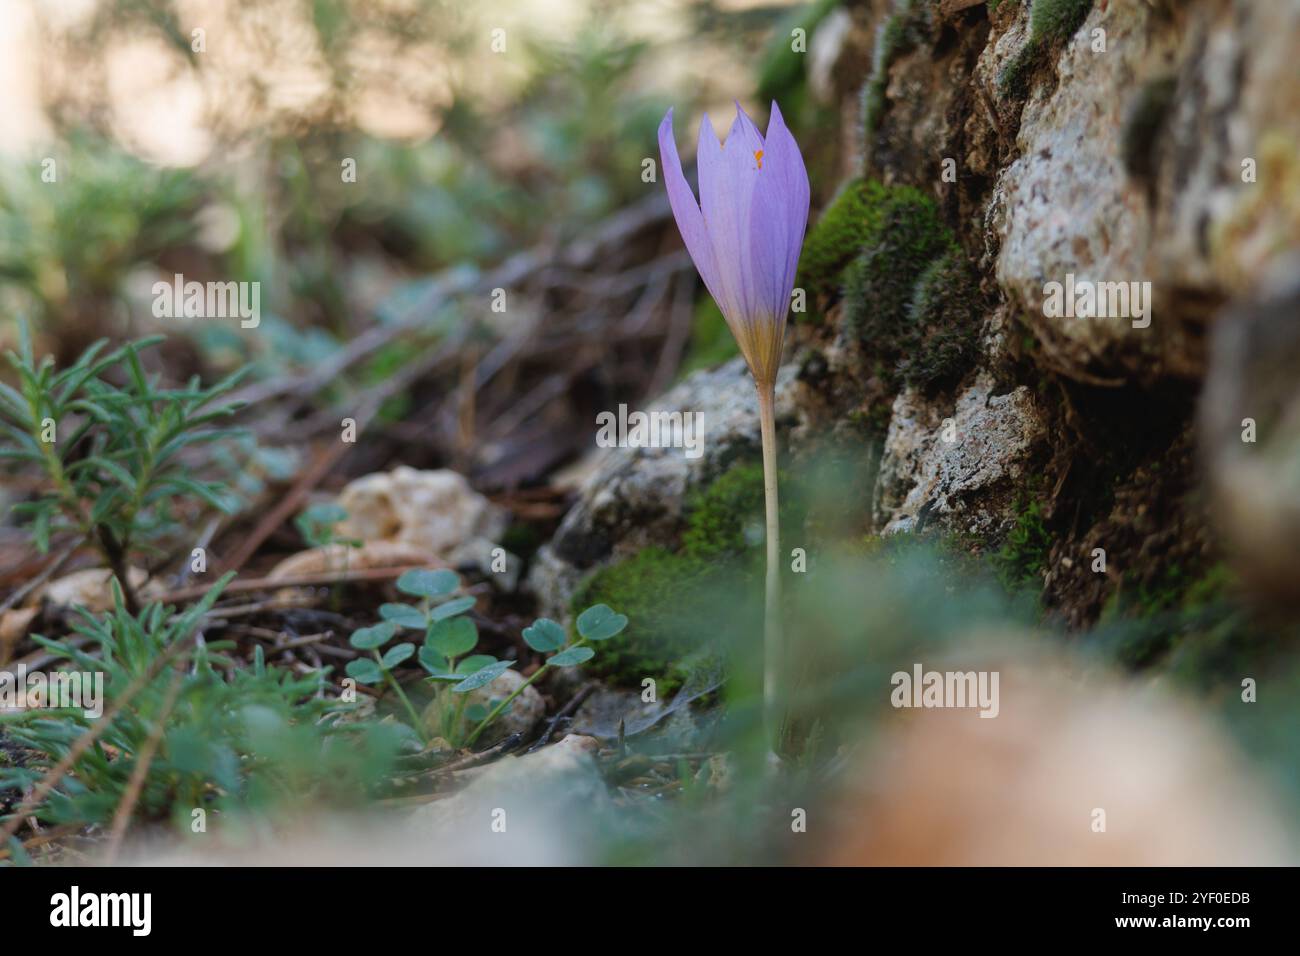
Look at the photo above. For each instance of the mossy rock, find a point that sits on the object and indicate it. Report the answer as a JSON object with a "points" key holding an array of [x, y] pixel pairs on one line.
{"points": [[1051, 23], [656, 589], [841, 231], [910, 296], [1055, 21], [1023, 557], [904, 237], [943, 323], [671, 598], [726, 518]]}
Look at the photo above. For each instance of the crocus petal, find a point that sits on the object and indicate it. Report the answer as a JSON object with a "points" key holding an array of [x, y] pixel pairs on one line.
{"points": [[727, 179], [788, 179], [746, 232], [750, 138], [690, 221]]}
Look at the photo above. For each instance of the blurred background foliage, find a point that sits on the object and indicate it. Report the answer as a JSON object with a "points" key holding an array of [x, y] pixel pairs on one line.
{"points": [[210, 139]]}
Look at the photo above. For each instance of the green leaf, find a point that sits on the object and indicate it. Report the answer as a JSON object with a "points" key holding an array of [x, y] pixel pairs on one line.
{"points": [[452, 638], [475, 662], [368, 638], [435, 663], [600, 623], [403, 615], [396, 654], [457, 606], [482, 677], [571, 657], [364, 671], [544, 635], [428, 584]]}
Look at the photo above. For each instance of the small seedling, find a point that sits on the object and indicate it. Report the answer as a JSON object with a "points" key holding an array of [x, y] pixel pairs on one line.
{"points": [[597, 623], [446, 654]]}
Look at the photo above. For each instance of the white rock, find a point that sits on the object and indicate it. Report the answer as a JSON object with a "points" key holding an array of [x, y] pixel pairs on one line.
{"points": [[964, 484], [435, 510], [549, 804]]}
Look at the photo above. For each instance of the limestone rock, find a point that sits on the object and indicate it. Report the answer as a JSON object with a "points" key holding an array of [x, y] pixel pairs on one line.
{"points": [[91, 588], [434, 510], [1190, 226], [957, 467], [635, 496], [552, 803]]}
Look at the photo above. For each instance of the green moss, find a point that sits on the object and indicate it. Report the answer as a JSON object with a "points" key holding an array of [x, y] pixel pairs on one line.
{"points": [[1185, 622], [910, 299], [670, 598], [1013, 81], [1051, 23], [942, 323], [852, 217], [653, 588], [1023, 557], [1055, 21], [723, 518]]}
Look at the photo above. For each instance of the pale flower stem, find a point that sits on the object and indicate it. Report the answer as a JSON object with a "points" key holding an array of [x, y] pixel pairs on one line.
{"points": [[773, 637]]}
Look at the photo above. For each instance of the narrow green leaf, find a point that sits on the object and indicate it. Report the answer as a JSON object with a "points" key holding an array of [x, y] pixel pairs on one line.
{"points": [[571, 657], [453, 607], [482, 677]]}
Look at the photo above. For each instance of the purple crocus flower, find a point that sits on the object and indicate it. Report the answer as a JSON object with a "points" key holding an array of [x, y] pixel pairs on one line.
{"points": [[745, 234], [746, 231]]}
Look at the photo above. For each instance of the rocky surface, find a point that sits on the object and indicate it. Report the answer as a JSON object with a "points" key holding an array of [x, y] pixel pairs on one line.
{"points": [[1151, 142], [634, 497], [957, 467], [434, 510], [550, 804]]}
